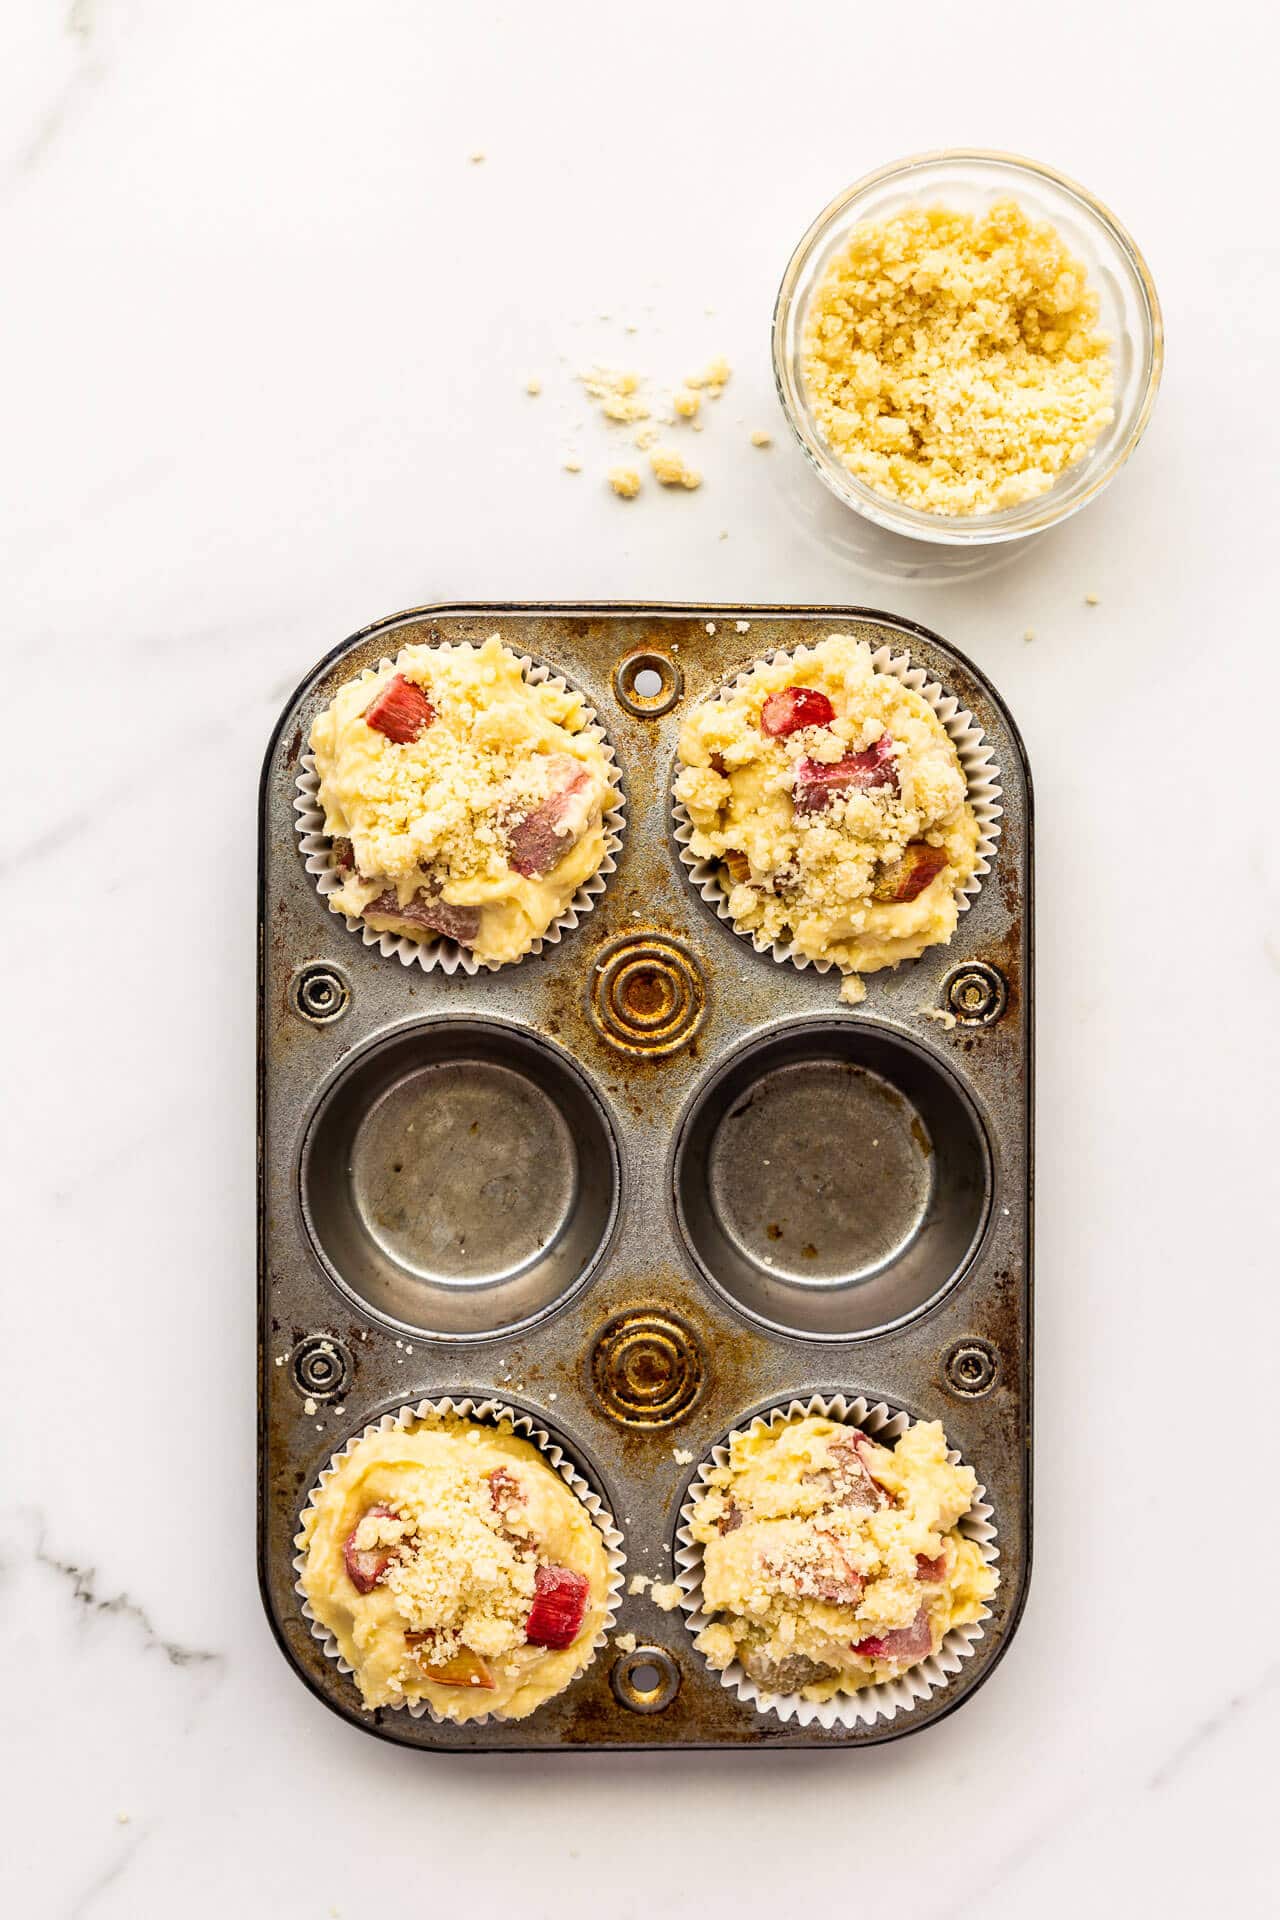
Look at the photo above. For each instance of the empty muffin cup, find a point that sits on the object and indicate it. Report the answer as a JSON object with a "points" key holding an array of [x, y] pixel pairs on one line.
{"points": [[459, 1178], [832, 1179]]}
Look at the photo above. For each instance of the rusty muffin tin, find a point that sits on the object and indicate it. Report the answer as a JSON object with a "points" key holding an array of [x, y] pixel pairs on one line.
{"points": [[593, 1184]]}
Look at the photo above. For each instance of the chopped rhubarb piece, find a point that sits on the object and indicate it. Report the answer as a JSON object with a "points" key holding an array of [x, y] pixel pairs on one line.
{"points": [[344, 855], [367, 1565], [504, 1489], [906, 878], [819, 781], [784, 1676], [933, 1571], [539, 840], [559, 1603], [402, 711], [461, 1669], [738, 864], [904, 1643], [793, 708], [853, 1484], [719, 765], [837, 1581], [429, 913], [731, 1519]]}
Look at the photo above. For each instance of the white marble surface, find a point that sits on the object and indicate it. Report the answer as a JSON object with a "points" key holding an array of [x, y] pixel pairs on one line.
{"points": [[266, 331]]}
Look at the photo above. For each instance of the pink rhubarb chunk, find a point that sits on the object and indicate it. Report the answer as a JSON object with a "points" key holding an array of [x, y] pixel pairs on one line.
{"points": [[366, 1565], [431, 913], [934, 1571], [818, 782], [793, 708], [539, 841], [904, 1643], [402, 711], [559, 1603], [855, 1486], [907, 878]]}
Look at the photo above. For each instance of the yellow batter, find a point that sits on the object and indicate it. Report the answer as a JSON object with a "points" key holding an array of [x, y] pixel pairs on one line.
{"points": [[830, 1562], [849, 830], [432, 1551], [482, 811]]}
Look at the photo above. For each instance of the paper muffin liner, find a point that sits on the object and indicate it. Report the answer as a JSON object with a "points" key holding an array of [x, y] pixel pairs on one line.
{"points": [[442, 953], [977, 762], [489, 1412], [887, 1698]]}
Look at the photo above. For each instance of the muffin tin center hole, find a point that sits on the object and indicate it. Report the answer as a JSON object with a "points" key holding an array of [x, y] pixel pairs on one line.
{"points": [[646, 1680], [647, 684], [646, 1368], [647, 994]]}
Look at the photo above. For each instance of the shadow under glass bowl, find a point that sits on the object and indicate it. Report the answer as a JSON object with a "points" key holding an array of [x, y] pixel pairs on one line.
{"points": [[459, 1178], [832, 1180], [968, 180]]}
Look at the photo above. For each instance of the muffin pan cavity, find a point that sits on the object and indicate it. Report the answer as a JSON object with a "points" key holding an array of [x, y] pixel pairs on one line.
{"points": [[459, 1178], [833, 1179], [650, 1182]]}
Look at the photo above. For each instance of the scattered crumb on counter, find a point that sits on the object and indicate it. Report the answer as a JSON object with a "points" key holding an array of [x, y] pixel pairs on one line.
{"points": [[625, 1642], [279, 1359], [724, 533], [743, 626], [682, 1456], [123, 1819], [617, 393], [943, 1016], [475, 158], [573, 466], [852, 989], [631, 327], [638, 1583], [667, 1597], [1091, 599], [644, 437], [686, 402], [1030, 634], [670, 469], [713, 376], [309, 1408], [533, 385], [625, 481], [761, 439], [711, 626]]}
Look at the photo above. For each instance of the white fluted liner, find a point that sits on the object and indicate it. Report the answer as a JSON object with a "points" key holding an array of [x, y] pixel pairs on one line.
{"points": [[887, 1698], [488, 1413], [977, 762], [444, 954]]}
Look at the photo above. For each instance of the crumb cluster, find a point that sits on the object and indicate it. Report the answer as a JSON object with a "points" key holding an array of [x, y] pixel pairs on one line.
{"points": [[954, 362]]}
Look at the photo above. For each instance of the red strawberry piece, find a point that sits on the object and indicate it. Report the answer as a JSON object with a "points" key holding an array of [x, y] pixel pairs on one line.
{"points": [[559, 1603], [793, 708], [920, 864], [904, 1643], [430, 913], [461, 1669], [933, 1571], [367, 1565], [539, 840], [401, 710], [344, 855], [504, 1489], [818, 782]]}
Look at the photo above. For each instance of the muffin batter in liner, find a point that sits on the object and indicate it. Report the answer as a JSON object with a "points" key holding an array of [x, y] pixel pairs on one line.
{"points": [[442, 953], [982, 779], [484, 1413], [886, 1698]]}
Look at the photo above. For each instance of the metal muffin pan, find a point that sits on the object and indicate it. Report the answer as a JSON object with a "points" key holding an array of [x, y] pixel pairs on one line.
{"points": [[627, 1220]]}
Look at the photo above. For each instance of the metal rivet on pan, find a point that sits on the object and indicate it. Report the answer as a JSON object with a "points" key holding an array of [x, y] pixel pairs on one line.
{"points": [[972, 1368], [646, 1368], [976, 994], [321, 1367], [647, 684], [320, 993], [646, 1680], [647, 994]]}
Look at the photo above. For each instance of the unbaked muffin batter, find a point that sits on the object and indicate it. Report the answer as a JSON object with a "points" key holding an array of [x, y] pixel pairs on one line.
{"points": [[830, 1562], [835, 801], [454, 1566], [464, 802]]}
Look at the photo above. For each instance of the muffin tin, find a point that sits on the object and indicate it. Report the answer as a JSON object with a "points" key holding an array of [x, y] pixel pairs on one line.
{"points": [[622, 1224]]}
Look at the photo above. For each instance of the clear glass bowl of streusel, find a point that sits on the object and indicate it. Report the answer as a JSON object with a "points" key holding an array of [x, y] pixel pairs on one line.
{"points": [[908, 423]]}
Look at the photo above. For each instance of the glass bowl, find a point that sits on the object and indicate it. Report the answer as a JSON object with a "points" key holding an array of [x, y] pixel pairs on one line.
{"points": [[968, 181]]}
